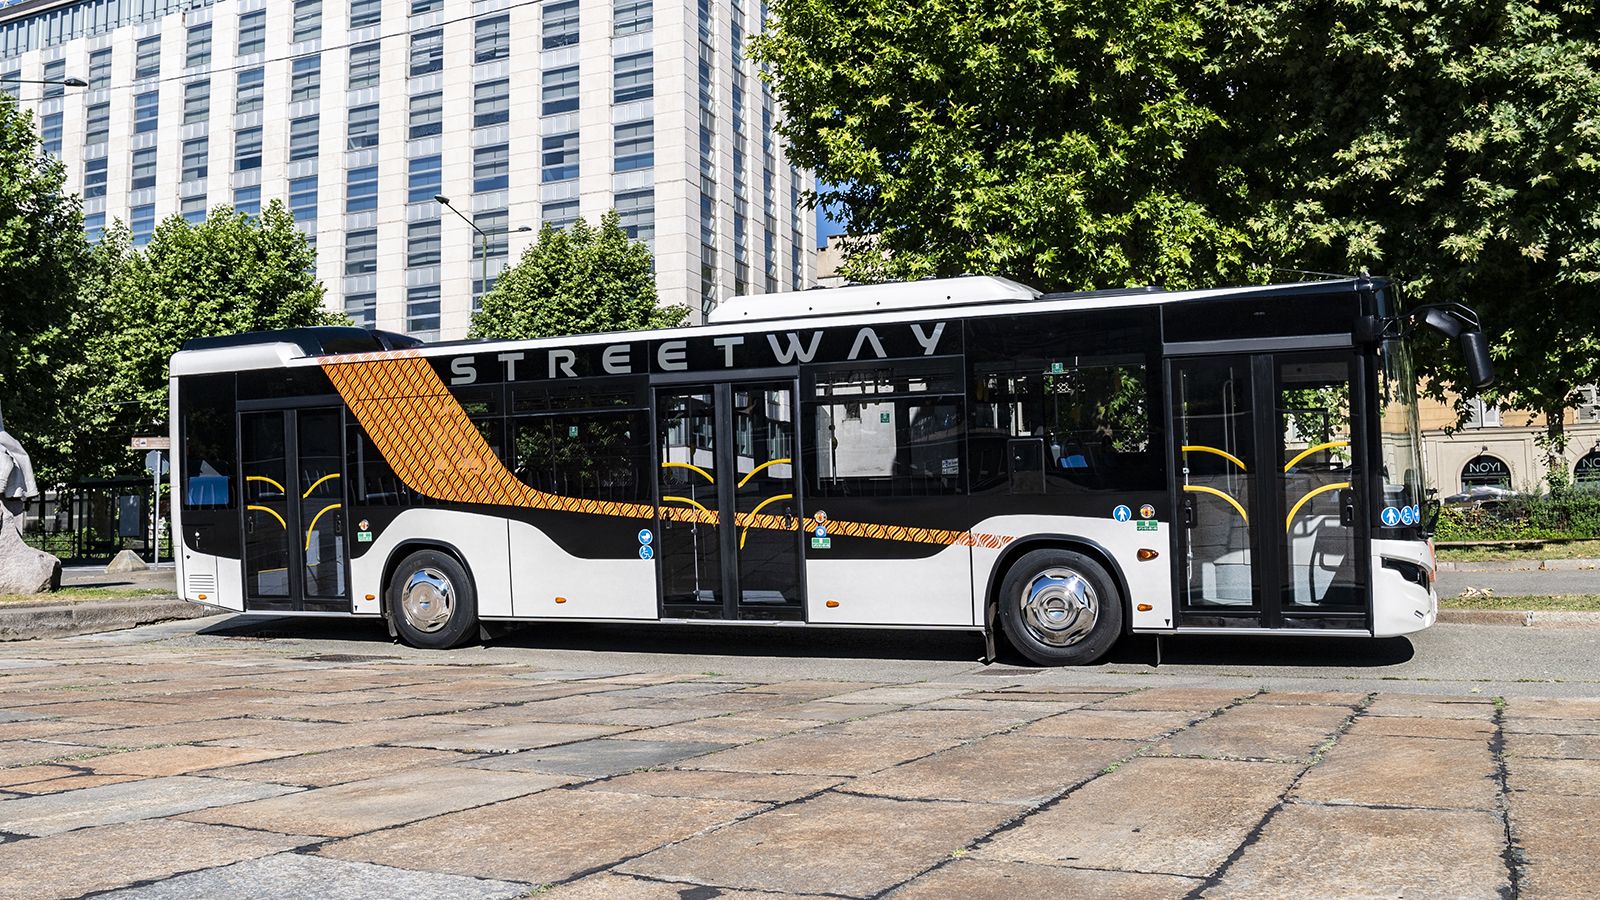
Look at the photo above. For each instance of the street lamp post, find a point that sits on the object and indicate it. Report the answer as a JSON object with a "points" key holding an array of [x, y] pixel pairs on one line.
{"points": [[64, 82], [483, 239]]}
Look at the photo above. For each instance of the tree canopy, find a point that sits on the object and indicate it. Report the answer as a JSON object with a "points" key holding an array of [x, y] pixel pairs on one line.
{"points": [[580, 280], [1453, 147], [42, 254]]}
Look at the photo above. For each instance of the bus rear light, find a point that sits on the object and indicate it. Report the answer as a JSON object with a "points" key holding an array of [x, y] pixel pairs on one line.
{"points": [[1146, 554], [1144, 607], [832, 604], [561, 599]]}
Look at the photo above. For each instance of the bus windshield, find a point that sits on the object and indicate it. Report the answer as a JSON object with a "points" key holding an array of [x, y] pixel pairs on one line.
{"points": [[1399, 434]]}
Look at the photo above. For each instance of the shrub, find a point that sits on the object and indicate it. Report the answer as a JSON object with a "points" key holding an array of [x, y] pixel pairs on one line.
{"points": [[1560, 515]]}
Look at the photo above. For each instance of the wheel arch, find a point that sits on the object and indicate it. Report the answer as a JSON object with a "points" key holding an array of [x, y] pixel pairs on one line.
{"points": [[409, 546], [1076, 543]]}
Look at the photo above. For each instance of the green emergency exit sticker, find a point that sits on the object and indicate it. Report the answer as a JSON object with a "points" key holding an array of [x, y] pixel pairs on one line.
{"points": [[883, 418], [1058, 368], [363, 537], [1147, 525], [821, 543]]}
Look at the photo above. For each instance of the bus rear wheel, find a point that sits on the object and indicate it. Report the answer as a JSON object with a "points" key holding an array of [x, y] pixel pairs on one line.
{"points": [[431, 601], [1060, 608]]}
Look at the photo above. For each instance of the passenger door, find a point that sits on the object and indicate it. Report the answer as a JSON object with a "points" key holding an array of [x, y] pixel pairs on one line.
{"points": [[1268, 481], [295, 546]]}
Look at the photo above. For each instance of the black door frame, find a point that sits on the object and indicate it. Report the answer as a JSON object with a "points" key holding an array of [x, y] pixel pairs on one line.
{"points": [[725, 465], [1270, 554], [289, 410]]}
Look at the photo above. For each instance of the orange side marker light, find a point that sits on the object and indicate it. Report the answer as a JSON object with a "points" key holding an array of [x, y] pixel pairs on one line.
{"points": [[561, 599], [832, 604], [1146, 554], [1144, 607]]}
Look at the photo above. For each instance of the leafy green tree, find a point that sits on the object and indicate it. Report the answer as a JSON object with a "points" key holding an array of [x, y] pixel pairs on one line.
{"points": [[231, 273], [1453, 146], [42, 255], [1067, 144], [579, 280]]}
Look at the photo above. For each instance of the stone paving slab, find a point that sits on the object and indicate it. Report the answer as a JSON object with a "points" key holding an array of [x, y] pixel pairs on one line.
{"points": [[856, 846], [1314, 852], [126, 802], [611, 886], [1259, 731], [1174, 816], [1402, 771], [1135, 725], [597, 758], [1557, 837], [511, 738], [1008, 768], [546, 837], [339, 766], [98, 859], [813, 753], [360, 806], [301, 875], [712, 785], [1553, 776], [978, 879]]}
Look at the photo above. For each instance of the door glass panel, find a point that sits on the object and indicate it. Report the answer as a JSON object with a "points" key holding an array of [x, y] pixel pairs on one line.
{"points": [[321, 493], [763, 466], [1215, 438], [267, 552], [691, 556], [1318, 477]]}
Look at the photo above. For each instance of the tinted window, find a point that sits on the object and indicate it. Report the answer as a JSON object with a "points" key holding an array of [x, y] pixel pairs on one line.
{"points": [[893, 429], [205, 403]]}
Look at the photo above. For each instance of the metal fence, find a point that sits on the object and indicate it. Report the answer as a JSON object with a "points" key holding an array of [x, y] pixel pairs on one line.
{"points": [[96, 519]]}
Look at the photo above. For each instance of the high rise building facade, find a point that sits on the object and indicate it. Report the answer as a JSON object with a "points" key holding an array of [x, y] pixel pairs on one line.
{"points": [[358, 113]]}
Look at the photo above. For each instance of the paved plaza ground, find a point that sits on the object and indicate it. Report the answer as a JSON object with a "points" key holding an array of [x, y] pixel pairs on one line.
{"points": [[246, 758]]}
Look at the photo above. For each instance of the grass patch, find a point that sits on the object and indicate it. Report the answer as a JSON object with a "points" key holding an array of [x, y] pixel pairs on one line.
{"points": [[1543, 603], [1563, 550], [70, 594]]}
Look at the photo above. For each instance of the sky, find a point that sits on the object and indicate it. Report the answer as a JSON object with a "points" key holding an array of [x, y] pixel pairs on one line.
{"points": [[826, 225]]}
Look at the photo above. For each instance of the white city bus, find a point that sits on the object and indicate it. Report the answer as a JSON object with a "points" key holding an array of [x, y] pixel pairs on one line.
{"points": [[1059, 469]]}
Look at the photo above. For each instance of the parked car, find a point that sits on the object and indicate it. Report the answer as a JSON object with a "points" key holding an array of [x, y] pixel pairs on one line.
{"points": [[1480, 495]]}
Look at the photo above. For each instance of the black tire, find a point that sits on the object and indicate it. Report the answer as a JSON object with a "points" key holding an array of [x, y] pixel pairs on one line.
{"points": [[1052, 630], [441, 609]]}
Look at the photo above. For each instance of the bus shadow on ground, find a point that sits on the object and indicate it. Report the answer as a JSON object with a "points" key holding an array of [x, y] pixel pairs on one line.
{"points": [[758, 641]]}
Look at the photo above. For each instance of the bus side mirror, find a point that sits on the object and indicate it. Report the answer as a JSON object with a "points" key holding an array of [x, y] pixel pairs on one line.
{"points": [[1475, 354]]}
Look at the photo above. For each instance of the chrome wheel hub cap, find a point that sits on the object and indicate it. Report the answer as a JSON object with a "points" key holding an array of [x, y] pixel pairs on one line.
{"points": [[1059, 607], [427, 600]]}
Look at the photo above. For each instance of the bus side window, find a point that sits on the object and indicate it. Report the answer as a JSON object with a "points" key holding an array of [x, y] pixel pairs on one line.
{"points": [[206, 408]]}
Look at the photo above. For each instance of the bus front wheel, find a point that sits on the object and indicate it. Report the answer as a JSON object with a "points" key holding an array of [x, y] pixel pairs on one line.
{"points": [[431, 601], [1060, 608]]}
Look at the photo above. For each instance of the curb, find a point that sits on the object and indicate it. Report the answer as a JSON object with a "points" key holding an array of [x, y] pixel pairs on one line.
{"points": [[1521, 565], [1526, 618], [39, 621]]}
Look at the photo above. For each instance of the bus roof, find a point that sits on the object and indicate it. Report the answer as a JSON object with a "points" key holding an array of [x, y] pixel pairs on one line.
{"points": [[964, 296]]}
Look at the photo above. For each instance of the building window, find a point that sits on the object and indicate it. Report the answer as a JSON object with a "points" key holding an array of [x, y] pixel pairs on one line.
{"points": [[561, 214], [147, 57], [560, 23], [361, 189], [631, 17], [9, 85], [418, 7], [143, 223], [492, 39], [633, 77], [196, 101], [422, 309], [248, 200], [491, 103], [560, 159], [306, 79], [1588, 410], [196, 156], [94, 178], [362, 309], [422, 244], [252, 32], [144, 169], [424, 180], [361, 252], [97, 124], [303, 138], [94, 226], [307, 20], [54, 72], [1485, 471], [491, 168], [197, 52], [560, 91], [635, 146], [365, 12], [364, 66], [146, 112], [637, 211], [363, 127], [427, 115], [303, 198], [247, 93], [247, 149], [496, 224], [427, 52], [100, 69], [50, 128], [1481, 414], [193, 209]]}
